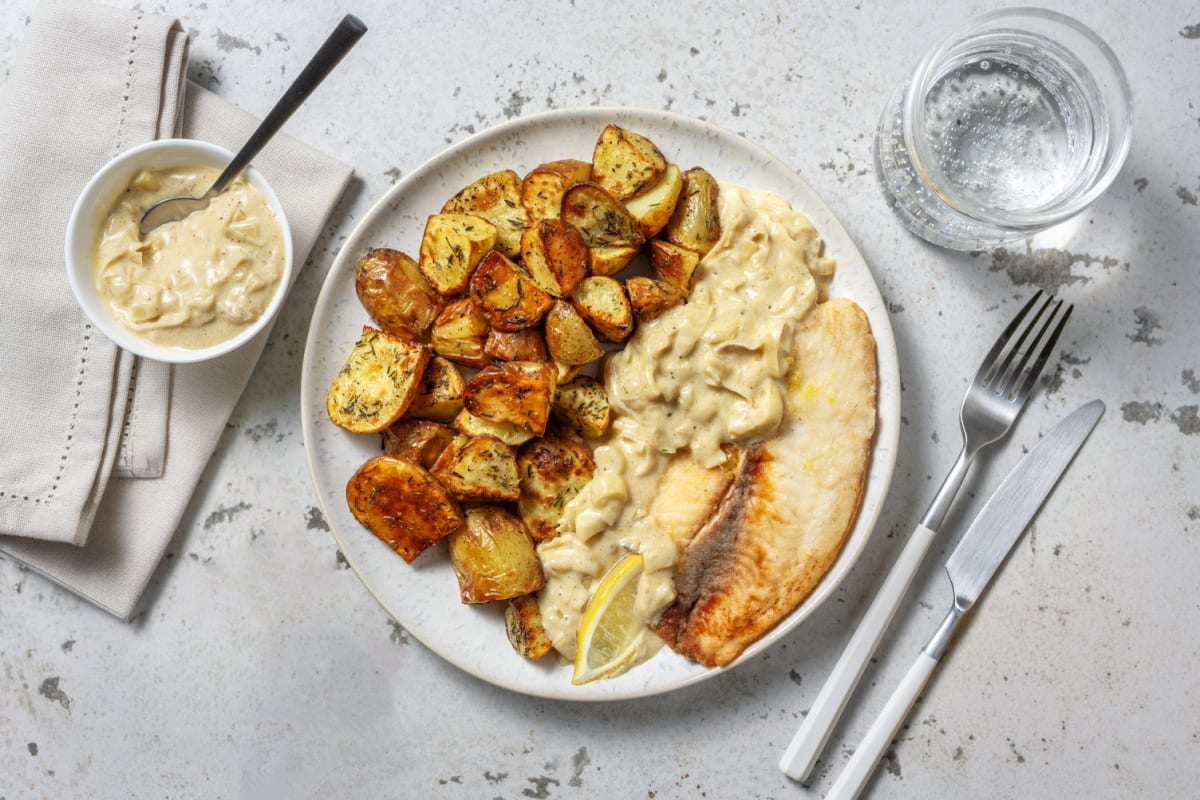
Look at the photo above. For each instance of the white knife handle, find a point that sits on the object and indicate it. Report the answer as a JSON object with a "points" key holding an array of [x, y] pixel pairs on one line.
{"points": [[862, 764], [806, 746]]}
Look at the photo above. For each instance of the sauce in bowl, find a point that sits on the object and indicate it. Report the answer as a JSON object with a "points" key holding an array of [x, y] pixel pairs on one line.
{"points": [[197, 282]]}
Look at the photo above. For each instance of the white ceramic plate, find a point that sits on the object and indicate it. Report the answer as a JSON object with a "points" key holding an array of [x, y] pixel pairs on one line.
{"points": [[423, 596]]}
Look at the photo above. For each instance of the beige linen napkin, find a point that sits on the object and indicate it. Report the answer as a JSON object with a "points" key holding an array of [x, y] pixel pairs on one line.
{"points": [[88, 83], [136, 517]]}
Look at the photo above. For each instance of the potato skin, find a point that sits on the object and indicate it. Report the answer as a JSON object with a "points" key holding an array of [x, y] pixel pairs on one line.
{"points": [[402, 504], [650, 297], [493, 557], [524, 345], [554, 253], [568, 338], [553, 469], [418, 440], [506, 295], [695, 223], [460, 332], [394, 294], [525, 629], [516, 392]]}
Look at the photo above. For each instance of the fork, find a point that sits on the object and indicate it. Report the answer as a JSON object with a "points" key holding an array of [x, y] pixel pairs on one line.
{"points": [[992, 404]]}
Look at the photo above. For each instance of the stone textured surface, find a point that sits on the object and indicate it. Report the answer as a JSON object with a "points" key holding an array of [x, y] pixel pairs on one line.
{"points": [[260, 667]]}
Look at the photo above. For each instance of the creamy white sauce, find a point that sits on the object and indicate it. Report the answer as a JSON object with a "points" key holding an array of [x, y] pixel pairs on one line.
{"points": [[703, 374], [196, 282]]}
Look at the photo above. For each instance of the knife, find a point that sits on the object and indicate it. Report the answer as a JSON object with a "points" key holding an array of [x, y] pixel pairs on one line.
{"points": [[971, 566]]}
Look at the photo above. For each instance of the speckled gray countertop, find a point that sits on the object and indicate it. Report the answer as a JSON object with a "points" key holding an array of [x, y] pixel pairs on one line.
{"points": [[259, 666]]}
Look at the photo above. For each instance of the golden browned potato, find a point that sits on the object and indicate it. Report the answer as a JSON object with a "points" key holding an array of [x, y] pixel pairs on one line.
{"points": [[451, 247], [420, 441], [493, 557], [582, 403], [395, 295], [625, 163], [402, 504], [542, 189], [651, 297], [524, 345], [497, 198], [568, 338], [553, 469], [506, 294], [695, 223], [377, 383], [603, 220], [460, 333], [478, 468], [440, 397], [653, 208], [512, 435], [567, 372], [612, 259], [516, 392], [525, 629], [555, 256], [603, 304], [674, 264]]}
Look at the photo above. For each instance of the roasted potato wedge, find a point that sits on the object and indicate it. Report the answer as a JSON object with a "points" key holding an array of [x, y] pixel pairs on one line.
{"points": [[524, 345], [601, 218], [479, 468], [612, 259], [451, 247], [625, 163], [525, 629], [567, 372], [377, 383], [695, 223], [440, 397], [553, 469], [420, 441], [402, 504], [582, 404], [395, 294], [506, 294], [512, 435], [652, 296], [603, 304], [516, 392], [497, 198], [568, 338], [674, 264], [555, 256], [542, 189], [460, 333], [493, 557], [653, 208]]}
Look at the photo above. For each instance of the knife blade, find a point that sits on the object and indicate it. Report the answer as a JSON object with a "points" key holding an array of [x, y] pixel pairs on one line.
{"points": [[971, 567]]}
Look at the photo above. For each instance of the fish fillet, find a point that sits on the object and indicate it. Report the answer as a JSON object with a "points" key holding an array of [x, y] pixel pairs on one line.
{"points": [[791, 502]]}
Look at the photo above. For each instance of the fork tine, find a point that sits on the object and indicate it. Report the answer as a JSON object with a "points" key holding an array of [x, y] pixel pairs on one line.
{"points": [[1036, 369], [1012, 375], [991, 362]]}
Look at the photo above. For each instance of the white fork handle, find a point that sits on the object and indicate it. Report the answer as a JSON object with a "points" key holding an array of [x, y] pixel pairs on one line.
{"points": [[806, 746], [862, 764]]}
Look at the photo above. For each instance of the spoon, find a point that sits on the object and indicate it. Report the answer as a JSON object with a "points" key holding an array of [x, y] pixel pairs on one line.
{"points": [[344, 37]]}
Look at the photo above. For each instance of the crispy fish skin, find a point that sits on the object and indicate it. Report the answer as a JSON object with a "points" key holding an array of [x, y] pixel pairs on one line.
{"points": [[792, 501]]}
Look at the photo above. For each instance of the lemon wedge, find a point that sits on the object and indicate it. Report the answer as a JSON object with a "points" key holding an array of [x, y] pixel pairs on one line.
{"points": [[609, 632]]}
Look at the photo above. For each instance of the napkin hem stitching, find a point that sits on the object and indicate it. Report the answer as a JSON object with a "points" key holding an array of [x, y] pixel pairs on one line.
{"points": [[129, 76]]}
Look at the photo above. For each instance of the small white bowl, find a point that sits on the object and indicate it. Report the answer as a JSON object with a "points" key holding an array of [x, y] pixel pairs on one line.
{"points": [[88, 217]]}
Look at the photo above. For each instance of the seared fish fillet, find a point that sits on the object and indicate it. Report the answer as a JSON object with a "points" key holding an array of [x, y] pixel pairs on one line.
{"points": [[792, 500]]}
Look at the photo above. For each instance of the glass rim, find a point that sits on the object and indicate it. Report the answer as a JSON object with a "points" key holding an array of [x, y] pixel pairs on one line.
{"points": [[1118, 110]]}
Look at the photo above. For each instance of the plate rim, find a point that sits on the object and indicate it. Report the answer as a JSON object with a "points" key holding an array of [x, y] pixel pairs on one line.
{"points": [[884, 444]]}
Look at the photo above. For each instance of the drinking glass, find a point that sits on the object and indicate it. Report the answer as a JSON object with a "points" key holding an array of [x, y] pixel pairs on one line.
{"points": [[1014, 124]]}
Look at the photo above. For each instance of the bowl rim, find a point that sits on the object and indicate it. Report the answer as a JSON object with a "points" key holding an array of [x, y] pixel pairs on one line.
{"points": [[84, 216]]}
